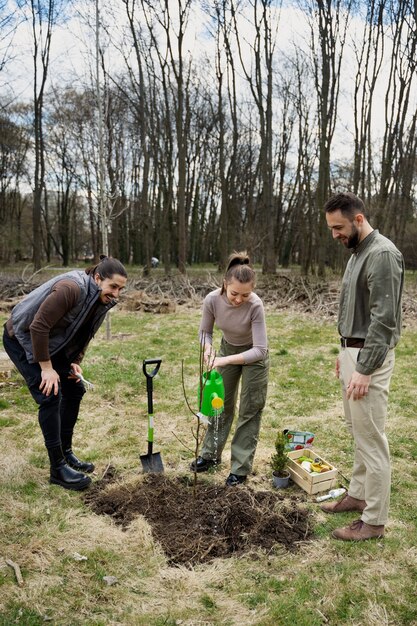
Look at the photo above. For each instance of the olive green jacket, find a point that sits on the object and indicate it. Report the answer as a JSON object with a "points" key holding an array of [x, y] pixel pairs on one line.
{"points": [[370, 299]]}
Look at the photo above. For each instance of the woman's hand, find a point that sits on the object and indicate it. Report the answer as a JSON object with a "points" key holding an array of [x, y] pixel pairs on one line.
{"points": [[209, 356], [233, 359], [211, 361]]}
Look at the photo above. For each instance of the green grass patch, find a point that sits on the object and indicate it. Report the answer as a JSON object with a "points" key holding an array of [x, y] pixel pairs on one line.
{"points": [[19, 614], [8, 421]]}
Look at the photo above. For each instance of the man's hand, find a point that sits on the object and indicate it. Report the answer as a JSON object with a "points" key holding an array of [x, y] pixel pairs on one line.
{"points": [[337, 368], [358, 386], [49, 379]]}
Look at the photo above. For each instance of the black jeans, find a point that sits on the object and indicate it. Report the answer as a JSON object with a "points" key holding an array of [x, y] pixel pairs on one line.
{"points": [[57, 414]]}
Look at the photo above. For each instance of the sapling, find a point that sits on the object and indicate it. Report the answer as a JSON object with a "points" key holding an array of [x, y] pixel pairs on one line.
{"points": [[202, 421]]}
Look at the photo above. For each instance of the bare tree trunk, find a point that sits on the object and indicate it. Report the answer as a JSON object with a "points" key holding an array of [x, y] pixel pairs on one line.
{"points": [[369, 60], [328, 34], [102, 199], [42, 14], [396, 160], [177, 65], [224, 216], [261, 87]]}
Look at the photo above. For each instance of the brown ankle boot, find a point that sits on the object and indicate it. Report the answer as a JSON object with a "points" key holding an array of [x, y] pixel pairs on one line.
{"points": [[359, 531], [346, 503]]}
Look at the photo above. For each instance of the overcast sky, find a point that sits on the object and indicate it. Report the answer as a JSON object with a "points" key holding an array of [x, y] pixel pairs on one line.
{"points": [[73, 51]]}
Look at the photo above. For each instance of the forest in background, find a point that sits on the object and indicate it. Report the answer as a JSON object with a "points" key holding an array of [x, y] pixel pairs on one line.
{"points": [[194, 127]]}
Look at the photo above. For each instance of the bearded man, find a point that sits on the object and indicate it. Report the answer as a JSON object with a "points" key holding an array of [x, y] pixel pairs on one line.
{"points": [[369, 325]]}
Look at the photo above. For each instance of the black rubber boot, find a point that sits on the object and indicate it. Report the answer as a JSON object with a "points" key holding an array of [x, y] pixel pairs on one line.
{"points": [[62, 474], [203, 465], [77, 464]]}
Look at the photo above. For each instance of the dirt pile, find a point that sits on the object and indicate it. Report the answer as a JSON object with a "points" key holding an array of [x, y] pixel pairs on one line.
{"points": [[196, 525]]}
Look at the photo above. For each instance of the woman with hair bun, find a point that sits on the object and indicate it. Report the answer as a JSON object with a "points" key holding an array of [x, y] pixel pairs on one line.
{"points": [[46, 338], [239, 313]]}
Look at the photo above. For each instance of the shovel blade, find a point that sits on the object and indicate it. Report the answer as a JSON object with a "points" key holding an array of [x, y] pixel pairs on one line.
{"points": [[152, 463]]}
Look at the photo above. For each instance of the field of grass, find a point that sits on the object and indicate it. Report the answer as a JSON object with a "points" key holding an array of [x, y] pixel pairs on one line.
{"points": [[66, 552]]}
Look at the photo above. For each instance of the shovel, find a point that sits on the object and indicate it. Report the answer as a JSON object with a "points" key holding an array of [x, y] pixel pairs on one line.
{"points": [[152, 461]]}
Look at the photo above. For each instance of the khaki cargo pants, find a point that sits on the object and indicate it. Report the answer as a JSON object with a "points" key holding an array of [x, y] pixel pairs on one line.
{"points": [[254, 377]]}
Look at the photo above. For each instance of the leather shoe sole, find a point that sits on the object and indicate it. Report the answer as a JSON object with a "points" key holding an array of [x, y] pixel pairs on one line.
{"points": [[76, 486], [65, 476]]}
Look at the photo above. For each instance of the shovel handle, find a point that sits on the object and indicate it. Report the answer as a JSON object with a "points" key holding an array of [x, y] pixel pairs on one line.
{"points": [[156, 362], [149, 377]]}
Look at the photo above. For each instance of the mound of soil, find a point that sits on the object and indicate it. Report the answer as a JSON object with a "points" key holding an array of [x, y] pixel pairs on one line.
{"points": [[197, 524]]}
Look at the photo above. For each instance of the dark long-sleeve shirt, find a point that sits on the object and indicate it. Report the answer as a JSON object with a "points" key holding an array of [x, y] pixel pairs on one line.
{"points": [[370, 300], [51, 317]]}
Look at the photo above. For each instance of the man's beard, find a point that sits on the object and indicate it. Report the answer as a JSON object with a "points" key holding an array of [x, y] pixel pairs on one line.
{"points": [[353, 239]]}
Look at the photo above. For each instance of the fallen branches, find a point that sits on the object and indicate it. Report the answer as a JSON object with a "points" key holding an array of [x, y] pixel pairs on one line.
{"points": [[284, 290], [162, 294]]}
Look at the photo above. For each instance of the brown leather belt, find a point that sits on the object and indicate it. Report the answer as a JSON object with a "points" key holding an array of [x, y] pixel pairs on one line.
{"points": [[352, 342]]}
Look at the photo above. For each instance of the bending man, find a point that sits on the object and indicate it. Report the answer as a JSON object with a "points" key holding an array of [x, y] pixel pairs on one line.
{"points": [[46, 337]]}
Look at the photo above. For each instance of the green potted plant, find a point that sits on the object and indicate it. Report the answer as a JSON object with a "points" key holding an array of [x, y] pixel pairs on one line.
{"points": [[280, 475]]}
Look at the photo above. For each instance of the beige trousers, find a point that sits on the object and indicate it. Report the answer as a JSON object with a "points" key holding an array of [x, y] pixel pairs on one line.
{"points": [[365, 419]]}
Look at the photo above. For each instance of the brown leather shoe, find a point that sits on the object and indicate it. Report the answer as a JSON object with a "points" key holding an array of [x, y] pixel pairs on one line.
{"points": [[346, 503], [358, 531]]}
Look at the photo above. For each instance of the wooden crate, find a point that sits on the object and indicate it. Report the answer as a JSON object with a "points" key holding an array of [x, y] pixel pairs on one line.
{"points": [[312, 483]]}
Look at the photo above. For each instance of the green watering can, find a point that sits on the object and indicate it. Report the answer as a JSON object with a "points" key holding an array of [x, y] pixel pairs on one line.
{"points": [[211, 394]]}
